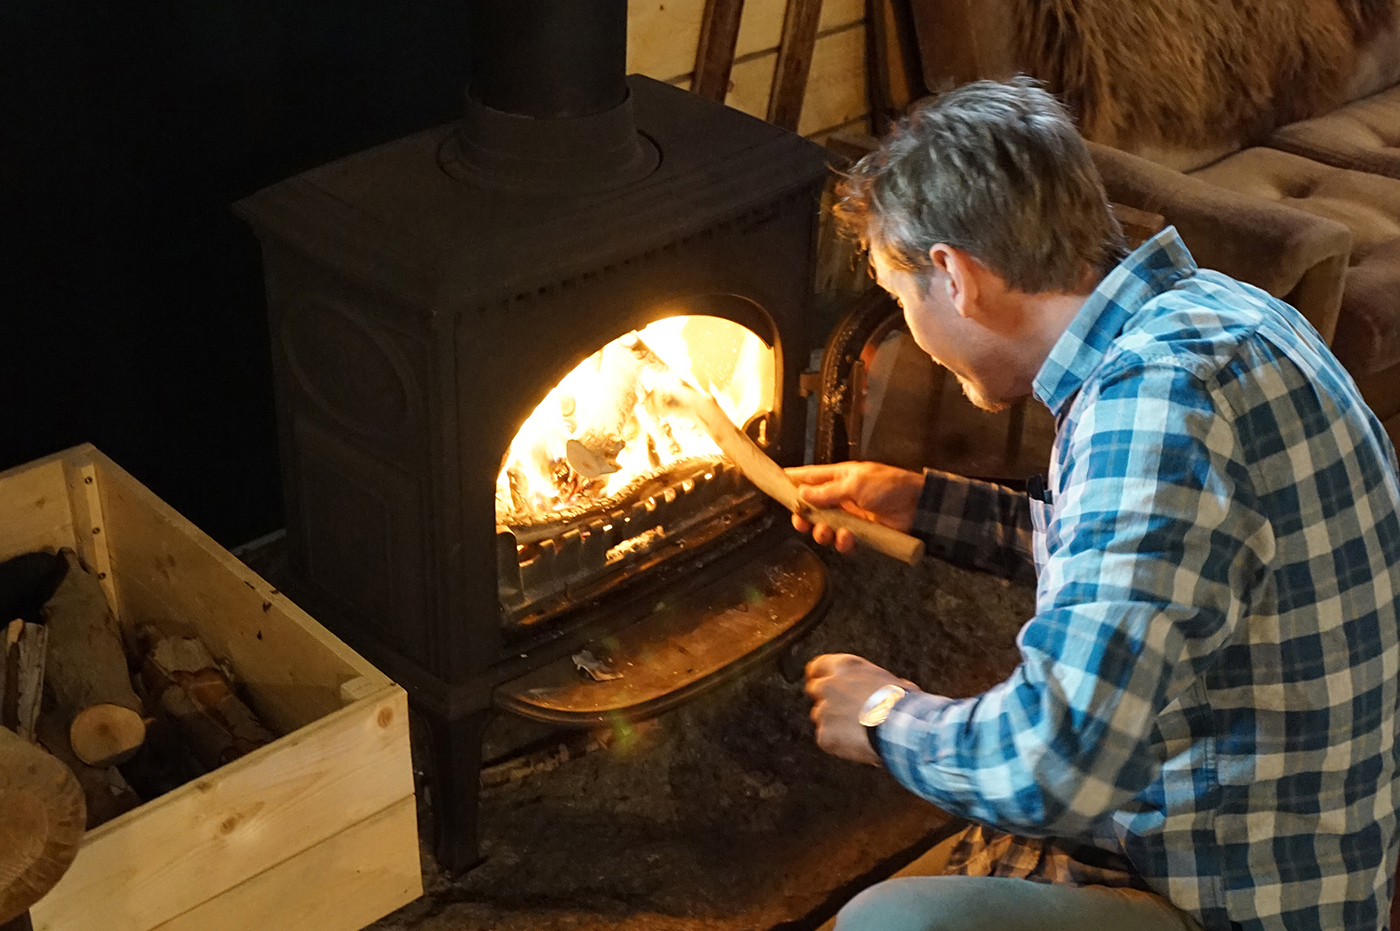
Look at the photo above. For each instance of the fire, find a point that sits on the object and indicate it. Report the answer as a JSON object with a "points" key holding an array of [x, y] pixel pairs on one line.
{"points": [[603, 413]]}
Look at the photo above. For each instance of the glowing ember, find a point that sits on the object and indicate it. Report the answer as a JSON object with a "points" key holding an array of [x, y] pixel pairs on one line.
{"points": [[602, 416]]}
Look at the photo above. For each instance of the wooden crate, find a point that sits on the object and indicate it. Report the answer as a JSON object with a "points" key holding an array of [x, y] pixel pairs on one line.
{"points": [[314, 831]]}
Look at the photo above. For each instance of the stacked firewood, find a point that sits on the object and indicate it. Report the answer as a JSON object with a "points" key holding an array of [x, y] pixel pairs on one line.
{"points": [[132, 711]]}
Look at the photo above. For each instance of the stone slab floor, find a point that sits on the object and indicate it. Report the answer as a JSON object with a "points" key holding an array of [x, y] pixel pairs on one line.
{"points": [[723, 815]]}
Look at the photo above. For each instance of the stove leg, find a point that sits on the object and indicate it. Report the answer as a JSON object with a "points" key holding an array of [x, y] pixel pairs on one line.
{"points": [[456, 788]]}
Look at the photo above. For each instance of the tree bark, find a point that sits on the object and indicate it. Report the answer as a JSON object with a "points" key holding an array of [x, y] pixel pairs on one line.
{"points": [[87, 671], [22, 676], [190, 686]]}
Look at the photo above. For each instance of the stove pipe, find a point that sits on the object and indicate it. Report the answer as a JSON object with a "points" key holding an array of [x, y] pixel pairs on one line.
{"points": [[547, 106]]}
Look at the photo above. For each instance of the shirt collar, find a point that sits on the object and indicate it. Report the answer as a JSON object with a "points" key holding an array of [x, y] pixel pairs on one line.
{"points": [[1152, 269]]}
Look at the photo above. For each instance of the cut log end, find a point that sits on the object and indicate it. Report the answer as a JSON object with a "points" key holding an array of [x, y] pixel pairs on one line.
{"points": [[42, 826], [589, 463], [106, 734]]}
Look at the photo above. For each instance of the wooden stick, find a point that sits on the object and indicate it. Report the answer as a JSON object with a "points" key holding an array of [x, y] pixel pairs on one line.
{"points": [[42, 823], [87, 670], [794, 63], [766, 474], [22, 676], [714, 55]]}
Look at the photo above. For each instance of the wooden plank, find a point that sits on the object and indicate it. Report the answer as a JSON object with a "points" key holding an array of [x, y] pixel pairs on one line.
{"points": [[662, 36], [341, 884], [789, 91], [173, 575], [749, 84], [762, 28], [714, 58], [166, 857], [836, 85], [894, 72], [34, 512], [85, 504]]}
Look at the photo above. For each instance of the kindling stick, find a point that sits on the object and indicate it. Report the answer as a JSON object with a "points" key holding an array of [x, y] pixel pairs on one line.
{"points": [[766, 474]]}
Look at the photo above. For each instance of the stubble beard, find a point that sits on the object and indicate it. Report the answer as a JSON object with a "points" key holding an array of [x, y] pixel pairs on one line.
{"points": [[980, 400]]}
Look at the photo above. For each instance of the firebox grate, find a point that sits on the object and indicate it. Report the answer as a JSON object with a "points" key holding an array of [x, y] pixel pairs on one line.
{"points": [[544, 570]]}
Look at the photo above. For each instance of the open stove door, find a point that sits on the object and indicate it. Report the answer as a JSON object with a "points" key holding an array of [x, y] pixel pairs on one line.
{"points": [[881, 398]]}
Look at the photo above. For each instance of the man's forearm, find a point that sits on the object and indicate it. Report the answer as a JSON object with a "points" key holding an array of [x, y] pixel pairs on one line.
{"points": [[976, 525]]}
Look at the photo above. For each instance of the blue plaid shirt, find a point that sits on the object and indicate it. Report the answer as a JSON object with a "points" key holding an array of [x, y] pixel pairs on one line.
{"points": [[1207, 692]]}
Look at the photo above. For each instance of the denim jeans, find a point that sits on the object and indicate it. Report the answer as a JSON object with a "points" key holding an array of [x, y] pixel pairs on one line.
{"points": [[978, 903]]}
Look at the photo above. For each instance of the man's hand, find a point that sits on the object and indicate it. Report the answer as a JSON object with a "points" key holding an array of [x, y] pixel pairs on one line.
{"points": [[871, 490], [839, 684]]}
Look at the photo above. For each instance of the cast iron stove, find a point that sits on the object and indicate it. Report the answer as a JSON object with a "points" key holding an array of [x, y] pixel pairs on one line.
{"points": [[430, 297]]}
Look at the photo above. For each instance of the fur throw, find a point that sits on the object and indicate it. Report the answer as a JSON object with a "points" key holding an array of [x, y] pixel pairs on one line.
{"points": [[1194, 72]]}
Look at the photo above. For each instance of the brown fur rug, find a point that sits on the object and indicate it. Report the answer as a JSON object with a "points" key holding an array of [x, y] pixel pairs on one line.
{"points": [[1194, 72]]}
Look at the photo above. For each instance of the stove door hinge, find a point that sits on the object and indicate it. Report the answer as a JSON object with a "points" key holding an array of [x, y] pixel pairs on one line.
{"points": [[809, 383]]}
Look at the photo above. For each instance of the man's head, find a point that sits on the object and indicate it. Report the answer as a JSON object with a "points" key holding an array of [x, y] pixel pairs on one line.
{"points": [[981, 203]]}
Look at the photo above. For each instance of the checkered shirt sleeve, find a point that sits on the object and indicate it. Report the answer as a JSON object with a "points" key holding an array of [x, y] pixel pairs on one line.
{"points": [[975, 525]]}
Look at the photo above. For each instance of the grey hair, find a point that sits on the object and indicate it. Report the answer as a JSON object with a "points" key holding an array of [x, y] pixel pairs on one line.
{"points": [[997, 170]]}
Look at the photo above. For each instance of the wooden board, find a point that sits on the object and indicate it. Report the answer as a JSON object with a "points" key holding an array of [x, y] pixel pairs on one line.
{"points": [[34, 511], [289, 828], [762, 26], [662, 35], [173, 575], [835, 85], [714, 58], [166, 857], [351, 874], [787, 97]]}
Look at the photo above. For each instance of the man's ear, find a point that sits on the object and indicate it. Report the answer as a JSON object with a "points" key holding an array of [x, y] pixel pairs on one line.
{"points": [[963, 282]]}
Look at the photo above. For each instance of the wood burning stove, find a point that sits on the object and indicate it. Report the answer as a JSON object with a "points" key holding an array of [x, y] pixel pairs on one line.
{"points": [[434, 300]]}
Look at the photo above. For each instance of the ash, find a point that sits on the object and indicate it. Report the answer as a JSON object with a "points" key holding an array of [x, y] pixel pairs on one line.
{"points": [[723, 814]]}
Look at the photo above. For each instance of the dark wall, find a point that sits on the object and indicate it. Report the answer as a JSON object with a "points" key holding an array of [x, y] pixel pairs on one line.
{"points": [[131, 306]]}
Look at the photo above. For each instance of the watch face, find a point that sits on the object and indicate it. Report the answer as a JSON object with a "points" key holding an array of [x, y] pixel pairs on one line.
{"points": [[878, 706]]}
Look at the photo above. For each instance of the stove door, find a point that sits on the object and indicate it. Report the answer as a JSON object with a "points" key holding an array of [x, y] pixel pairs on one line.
{"points": [[881, 398]]}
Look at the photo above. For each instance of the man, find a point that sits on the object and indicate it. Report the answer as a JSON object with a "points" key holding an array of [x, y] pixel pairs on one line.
{"points": [[1201, 730]]}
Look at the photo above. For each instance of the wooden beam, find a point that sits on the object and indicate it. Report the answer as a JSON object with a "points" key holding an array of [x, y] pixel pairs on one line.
{"points": [[794, 62], [714, 57]]}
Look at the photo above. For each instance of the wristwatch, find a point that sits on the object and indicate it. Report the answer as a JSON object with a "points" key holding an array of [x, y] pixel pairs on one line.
{"points": [[876, 708]]}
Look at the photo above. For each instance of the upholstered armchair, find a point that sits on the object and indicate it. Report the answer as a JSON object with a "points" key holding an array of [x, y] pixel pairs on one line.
{"points": [[1288, 178]]}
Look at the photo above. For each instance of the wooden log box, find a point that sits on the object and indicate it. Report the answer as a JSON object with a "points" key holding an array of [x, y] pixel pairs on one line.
{"points": [[315, 831]]}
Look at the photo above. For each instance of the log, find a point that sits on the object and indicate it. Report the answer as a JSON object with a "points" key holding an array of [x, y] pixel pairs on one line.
{"points": [[766, 474], [42, 815], [105, 790], [603, 416], [87, 671], [22, 676], [194, 690]]}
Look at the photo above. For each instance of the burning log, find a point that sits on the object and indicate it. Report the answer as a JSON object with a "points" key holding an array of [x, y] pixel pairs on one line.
{"points": [[87, 671], [599, 435], [22, 676], [766, 474], [182, 675]]}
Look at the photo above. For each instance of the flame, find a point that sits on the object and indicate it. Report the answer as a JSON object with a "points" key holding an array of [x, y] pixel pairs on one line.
{"points": [[605, 401]]}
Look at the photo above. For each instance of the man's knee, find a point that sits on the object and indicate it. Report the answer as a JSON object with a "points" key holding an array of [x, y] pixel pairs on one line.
{"points": [[924, 903]]}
